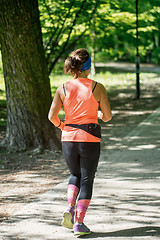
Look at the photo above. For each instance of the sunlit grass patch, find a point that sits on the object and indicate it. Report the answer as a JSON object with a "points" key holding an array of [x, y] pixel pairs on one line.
{"points": [[110, 80], [113, 83]]}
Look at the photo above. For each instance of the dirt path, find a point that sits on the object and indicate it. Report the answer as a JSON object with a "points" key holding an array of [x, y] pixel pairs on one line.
{"points": [[24, 175], [129, 67]]}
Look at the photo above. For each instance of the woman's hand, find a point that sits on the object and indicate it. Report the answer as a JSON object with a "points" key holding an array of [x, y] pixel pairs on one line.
{"points": [[100, 114]]}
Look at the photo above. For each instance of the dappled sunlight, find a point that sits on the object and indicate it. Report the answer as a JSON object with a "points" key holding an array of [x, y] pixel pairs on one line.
{"points": [[126, 193], [114, 112], [126, 207], [36, 38], [132, 233], [21, 187], [136, 156], [141, 147], [39, 220], [144, 137]]}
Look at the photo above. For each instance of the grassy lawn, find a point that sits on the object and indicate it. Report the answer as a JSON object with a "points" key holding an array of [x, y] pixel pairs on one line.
{"points": [[110, 80], [113, 82]]}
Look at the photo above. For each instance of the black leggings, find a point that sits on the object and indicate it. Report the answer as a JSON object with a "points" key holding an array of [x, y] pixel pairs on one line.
{"points": [[82, 159]]}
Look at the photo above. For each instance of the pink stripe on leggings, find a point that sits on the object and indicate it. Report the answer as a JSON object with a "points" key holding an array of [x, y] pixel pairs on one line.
{"points": [[72, 192], [82, 207]]}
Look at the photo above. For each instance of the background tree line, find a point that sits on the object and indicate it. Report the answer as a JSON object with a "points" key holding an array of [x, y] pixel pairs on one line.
{"points": [[70, 24]]}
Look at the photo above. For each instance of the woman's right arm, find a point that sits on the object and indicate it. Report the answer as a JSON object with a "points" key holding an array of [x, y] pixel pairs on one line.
{"points": [[104, 103]]}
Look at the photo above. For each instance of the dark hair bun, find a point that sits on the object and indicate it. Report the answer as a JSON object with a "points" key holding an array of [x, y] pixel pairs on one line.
{"points": [[73, 64]]}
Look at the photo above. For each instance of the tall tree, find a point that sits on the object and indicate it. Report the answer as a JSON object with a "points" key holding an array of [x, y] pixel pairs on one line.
{"points": [[26, 76]]}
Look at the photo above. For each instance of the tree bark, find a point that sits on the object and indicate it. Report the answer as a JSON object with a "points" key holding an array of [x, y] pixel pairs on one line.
{"points": [[27, 84]]}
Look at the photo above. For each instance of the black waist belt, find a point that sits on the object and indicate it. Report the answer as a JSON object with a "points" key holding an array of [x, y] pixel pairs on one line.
{"points": [[92, 128]]}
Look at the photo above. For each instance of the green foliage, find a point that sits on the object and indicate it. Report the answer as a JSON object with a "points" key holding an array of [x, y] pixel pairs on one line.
{"points": [[63, 24], [116, 30], [156, 55], [58, 67], [3, 111], [69, 24]]}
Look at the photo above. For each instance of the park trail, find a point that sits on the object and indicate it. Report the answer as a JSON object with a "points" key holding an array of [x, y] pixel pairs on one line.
{"points": [[129, 67], [126, 196]]}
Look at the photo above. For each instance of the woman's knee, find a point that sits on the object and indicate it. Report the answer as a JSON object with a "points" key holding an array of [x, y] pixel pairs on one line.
{"points": [[88, 180], [74, 180]]}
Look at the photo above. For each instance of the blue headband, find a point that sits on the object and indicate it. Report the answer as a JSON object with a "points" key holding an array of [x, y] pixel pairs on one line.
{"points": [[86, 65]]}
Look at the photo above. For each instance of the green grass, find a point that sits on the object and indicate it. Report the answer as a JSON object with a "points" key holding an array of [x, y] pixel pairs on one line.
{"points": [[111, 81]]}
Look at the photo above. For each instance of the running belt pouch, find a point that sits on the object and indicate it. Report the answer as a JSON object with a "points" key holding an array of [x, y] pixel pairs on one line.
{"points": [[92, 128]]}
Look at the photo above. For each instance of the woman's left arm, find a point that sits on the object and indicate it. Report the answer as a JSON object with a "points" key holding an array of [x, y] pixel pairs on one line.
{"points": [[54, 110]]}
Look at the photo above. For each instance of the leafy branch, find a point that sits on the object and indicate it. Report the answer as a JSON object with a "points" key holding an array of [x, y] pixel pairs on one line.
{"points": [[66, 45]]}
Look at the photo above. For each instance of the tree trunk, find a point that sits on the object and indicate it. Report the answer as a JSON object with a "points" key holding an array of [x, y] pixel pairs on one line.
{"points": [[26, 77]]}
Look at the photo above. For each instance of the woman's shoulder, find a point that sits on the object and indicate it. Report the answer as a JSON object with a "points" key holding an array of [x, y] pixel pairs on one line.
{"points": [[61, 87], [99, 86]]}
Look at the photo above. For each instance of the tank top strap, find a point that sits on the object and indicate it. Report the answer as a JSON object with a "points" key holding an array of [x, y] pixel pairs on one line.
{"points": [[64, 90], [94, 87]]}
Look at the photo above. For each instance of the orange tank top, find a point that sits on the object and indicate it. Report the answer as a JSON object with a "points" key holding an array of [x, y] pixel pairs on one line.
{"points": [[80, 107]]}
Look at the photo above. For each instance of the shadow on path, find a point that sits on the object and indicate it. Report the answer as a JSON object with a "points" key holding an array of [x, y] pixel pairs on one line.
{"points": [[132, 232]]}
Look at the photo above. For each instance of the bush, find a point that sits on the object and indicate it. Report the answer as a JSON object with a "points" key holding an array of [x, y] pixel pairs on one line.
{"points": [[58, 68]]}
